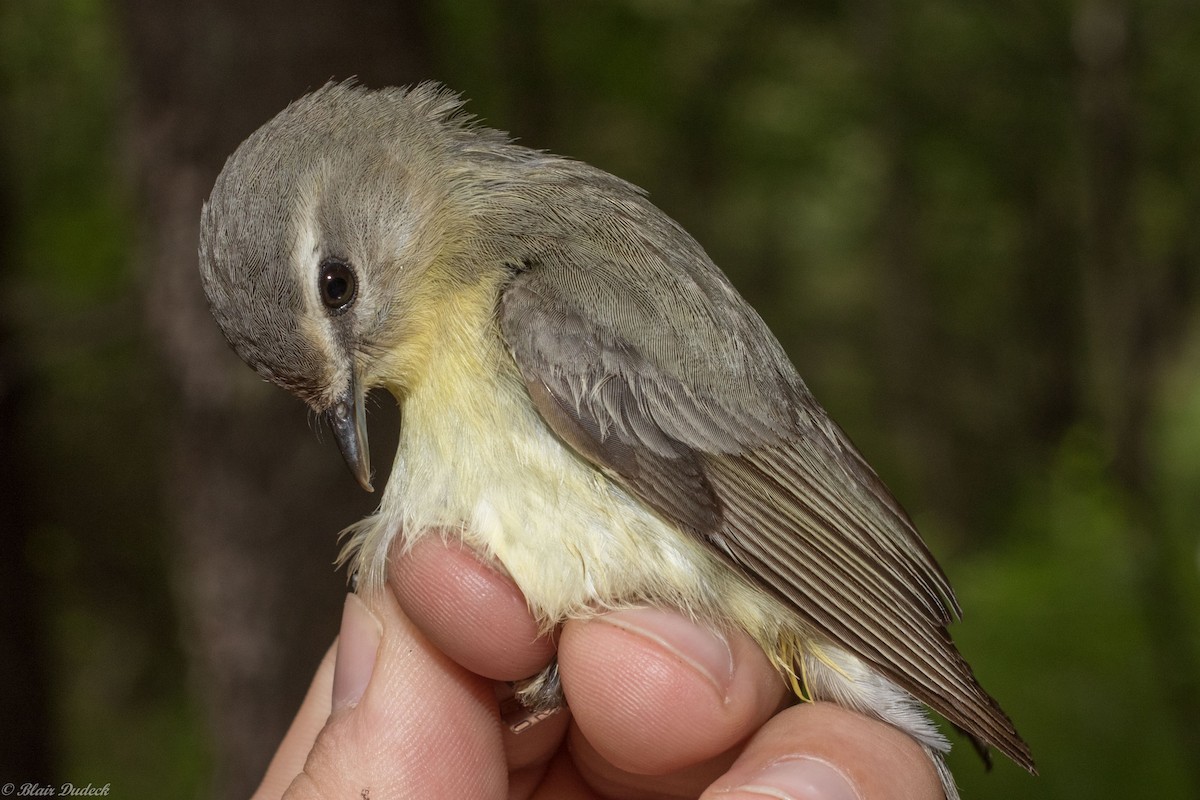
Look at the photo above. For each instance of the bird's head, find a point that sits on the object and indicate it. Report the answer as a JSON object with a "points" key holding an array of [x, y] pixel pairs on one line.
{"points": [[316, 235]]}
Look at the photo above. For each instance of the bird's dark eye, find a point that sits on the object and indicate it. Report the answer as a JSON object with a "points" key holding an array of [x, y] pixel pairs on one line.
{"points": [[337, 284]]}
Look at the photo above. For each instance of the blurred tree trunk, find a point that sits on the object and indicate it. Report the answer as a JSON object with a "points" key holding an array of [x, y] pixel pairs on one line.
{"points": [[1136, 311], [24, 692], [255, 500]]}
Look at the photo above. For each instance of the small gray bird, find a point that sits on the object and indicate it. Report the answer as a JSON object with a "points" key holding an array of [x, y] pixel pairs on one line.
{"points": [[585, 398]]}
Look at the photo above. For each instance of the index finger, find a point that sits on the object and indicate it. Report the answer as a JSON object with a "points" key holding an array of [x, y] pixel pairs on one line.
{"points": [[471, 611]]}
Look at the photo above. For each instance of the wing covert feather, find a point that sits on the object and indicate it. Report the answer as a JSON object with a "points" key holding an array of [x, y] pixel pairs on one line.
{"points": [[685, 397]]}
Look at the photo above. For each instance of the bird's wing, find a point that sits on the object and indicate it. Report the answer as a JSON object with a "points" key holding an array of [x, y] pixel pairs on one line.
{"points": [[673, 384]]}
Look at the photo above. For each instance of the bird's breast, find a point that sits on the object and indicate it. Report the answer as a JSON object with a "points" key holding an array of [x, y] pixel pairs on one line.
{"points": [[476, 461], [475, 458]]}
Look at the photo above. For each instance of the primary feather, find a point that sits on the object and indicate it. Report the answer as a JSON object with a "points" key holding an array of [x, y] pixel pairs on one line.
{"points": [[688, 400]]}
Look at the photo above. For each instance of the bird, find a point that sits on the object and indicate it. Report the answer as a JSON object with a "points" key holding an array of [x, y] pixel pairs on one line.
{"points": [[585, 398]]}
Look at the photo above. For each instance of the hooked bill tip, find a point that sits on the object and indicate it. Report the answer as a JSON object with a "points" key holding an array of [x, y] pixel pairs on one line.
{"points": [[348, 422]]}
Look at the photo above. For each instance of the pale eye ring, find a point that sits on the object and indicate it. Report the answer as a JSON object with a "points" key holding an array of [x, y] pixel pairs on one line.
{"points": [[337, 285]]}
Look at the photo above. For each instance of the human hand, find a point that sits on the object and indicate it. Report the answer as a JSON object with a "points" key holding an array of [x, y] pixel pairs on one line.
{"points": [[659, 707]]}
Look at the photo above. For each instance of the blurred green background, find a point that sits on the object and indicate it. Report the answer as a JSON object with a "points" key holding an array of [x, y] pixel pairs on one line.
{"points": [[976, 229]]}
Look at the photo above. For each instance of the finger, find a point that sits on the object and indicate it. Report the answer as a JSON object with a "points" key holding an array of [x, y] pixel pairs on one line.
{"points": [[562, 781], [294, 749], [407, 722], [479, 618], [821, 751], [654, 694], [472, 612]]}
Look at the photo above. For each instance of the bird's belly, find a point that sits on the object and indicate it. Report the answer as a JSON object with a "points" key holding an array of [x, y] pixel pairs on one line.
{"points": [[571, 538], [481, 465]]}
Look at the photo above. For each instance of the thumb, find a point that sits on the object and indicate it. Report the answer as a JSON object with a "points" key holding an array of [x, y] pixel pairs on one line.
{"points": [[404, 719]]}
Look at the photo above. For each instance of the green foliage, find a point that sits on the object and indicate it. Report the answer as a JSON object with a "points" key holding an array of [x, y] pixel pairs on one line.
{"points": [[125, 714], [1056, 628], [59, 68], [122, 707]]}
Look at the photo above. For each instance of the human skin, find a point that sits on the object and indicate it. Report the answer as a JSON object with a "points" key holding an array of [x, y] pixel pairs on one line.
{"points": [[404, 705]]}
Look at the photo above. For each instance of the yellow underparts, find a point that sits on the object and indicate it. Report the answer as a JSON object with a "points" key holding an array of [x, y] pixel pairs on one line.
{"points": [[475, 461]]}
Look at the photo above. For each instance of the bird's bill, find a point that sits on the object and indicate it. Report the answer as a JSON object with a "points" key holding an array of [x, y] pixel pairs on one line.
{"points": [[347, 419]]}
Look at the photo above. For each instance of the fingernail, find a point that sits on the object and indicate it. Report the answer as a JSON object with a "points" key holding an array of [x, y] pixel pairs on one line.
{"points": [[707, 651], [802, 778], [358, 643]]}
